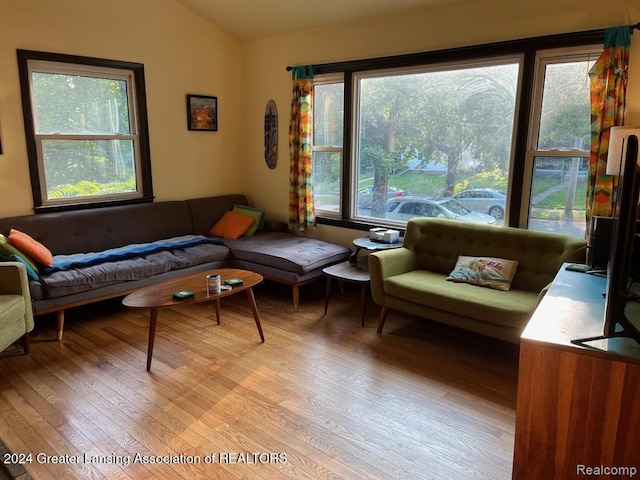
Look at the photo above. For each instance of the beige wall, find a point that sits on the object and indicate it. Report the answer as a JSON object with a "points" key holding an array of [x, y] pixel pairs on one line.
{"points": [[458, 24], [184, 54], [181, 52]]}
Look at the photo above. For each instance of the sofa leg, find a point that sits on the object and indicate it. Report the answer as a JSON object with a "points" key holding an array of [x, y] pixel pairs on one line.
{"points": [[296, 297], [60, 324], [25, 343], [383, 318]]}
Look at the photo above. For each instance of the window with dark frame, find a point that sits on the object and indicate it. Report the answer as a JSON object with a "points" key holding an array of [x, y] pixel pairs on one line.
{"points": [[86, 131], [492, 113]]}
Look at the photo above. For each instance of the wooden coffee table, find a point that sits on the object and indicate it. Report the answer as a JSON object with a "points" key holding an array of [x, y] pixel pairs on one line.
{"points": [[159, 296]]}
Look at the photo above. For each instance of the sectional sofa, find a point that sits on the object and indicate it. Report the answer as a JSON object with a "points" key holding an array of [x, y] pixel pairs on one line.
{"points": [[109, 252]]}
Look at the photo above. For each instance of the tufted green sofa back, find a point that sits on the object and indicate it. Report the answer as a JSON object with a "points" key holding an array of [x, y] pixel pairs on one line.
{"points": [[437, 243]]}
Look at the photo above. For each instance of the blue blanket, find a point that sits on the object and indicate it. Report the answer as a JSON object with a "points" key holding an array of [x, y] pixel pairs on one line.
{"points": [[78, 260]]}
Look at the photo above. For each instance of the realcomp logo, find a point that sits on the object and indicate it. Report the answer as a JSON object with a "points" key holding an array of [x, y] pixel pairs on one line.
{"points": [[593, 471]]}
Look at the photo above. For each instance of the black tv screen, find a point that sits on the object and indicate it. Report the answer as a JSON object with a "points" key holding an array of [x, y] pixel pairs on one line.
{"points": [[619, 267]]}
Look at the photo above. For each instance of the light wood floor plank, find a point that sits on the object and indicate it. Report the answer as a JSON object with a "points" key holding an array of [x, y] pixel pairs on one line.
{"points": [[337, 400]]}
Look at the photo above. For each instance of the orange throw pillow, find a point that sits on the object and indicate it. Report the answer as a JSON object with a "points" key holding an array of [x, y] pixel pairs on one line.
{"points": [[231, 225], [31, 247]]}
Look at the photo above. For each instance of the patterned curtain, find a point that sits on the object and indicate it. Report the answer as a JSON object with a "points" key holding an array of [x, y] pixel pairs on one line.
{"points": [[301, 209], [608, 99]]}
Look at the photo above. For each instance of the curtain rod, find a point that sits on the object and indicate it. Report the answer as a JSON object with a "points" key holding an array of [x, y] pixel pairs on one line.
{"points": [[632, 27]]}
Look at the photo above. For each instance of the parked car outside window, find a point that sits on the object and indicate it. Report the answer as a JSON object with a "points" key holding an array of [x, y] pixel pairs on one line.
{"points": [[405, 208], [365, 195], [484, 200]]}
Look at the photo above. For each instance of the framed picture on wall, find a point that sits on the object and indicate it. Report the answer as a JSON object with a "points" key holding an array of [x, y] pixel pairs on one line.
{"points": [[202, 113]]}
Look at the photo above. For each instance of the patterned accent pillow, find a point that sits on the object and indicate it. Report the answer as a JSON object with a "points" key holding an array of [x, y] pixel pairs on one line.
{"points": [[489, 272]]}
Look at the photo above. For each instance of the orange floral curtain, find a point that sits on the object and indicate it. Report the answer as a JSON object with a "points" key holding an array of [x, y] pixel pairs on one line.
{"points": [[301, 209], [608, 99]]}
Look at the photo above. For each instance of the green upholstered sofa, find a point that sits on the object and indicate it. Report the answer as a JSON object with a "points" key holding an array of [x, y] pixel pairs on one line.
{"points": [[413, 279]]}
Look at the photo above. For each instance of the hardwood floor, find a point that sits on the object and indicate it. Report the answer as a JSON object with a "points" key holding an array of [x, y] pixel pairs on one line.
{"points": [[322, 398]]}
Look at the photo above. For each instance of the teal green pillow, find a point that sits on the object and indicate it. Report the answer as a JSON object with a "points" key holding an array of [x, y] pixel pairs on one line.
{"points": [[251, 209], [249, 213], [7, 249], [33, 274]]}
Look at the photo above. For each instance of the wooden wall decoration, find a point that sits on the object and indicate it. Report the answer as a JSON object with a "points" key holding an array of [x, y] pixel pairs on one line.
{"points": [[271, 134]]}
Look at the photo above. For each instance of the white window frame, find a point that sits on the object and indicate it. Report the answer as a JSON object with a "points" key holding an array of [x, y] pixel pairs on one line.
{"points": [[543, 59], [327, 79], [49, 67]]}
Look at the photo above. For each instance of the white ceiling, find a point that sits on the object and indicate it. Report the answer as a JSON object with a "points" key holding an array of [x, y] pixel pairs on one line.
{"points": [[252, 19]]}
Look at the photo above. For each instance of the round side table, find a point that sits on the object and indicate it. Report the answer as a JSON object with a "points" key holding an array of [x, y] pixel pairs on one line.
{"points": [[355, 270], [347, 272], [367, 244]]}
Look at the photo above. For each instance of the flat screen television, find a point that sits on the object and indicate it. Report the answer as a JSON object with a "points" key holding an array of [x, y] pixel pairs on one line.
{"points": [[619, 267]]}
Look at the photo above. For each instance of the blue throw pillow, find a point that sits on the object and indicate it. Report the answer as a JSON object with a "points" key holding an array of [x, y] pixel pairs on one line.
{"points": [[31, 273]]}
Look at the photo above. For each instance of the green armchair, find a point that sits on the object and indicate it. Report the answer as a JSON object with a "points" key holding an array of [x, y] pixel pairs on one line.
{"points": [[16, 313]]}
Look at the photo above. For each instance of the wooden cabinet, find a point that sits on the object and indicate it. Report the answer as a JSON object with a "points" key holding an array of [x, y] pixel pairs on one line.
{"points": [[578, 408]]}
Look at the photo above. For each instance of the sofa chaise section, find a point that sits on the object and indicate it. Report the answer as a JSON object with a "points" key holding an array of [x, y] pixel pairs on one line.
{"points": [[274, 253], [286, 258]]}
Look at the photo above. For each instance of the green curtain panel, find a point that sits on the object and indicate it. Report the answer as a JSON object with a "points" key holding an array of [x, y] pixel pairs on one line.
{"points": [[301, 209], [608, 99]]}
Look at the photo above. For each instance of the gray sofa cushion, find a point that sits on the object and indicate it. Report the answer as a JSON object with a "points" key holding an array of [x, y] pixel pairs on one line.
{"points": [[78, 280], [287, 252]]}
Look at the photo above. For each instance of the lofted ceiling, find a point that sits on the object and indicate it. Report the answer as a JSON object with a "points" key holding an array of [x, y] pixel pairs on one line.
{"points": [[253, 19]]}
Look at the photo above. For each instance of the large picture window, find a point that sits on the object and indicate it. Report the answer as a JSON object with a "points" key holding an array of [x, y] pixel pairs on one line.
{"points": [[433, 140], [85, 128], [495, 134]]}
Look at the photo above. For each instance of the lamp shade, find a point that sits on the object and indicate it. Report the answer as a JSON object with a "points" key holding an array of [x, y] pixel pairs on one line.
{"points": [[618, 147]]}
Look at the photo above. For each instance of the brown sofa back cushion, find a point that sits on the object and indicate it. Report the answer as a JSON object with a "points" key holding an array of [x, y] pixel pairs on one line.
{"points": [[205, 212], [98, 229]]}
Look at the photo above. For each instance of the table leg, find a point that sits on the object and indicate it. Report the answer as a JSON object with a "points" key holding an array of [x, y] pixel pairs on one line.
{"points": [[364, 293], [353, 258], [327, 293], [218, 311], [153, 318], [254, 309]]}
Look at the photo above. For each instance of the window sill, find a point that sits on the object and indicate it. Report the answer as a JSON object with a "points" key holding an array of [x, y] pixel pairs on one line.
{"points": [[85, 206], [353, 225]]}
